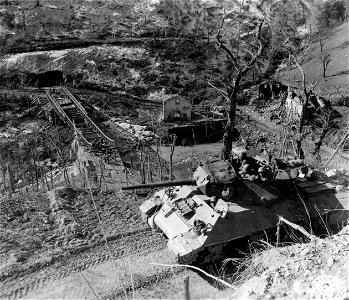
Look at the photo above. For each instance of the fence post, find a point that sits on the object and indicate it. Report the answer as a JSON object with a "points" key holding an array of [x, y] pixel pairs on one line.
{"points": [[171, 156]]}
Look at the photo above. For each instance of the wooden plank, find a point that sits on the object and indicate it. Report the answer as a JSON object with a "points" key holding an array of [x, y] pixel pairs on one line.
{"points": [[268, 197]]}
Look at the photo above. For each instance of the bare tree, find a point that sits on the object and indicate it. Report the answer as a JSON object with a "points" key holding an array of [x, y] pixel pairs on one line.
{"points": [[242, 55], [307, 92], [322, 34], [325, 60]]}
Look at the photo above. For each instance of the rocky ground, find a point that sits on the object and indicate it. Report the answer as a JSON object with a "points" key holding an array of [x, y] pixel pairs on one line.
{"points": [[313, 270]]}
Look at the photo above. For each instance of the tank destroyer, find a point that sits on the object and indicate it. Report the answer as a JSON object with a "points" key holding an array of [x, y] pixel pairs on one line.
{"points": [[223, 204]]}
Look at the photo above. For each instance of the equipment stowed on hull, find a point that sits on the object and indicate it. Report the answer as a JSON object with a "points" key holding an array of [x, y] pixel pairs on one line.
{"points": [[202, 216]]}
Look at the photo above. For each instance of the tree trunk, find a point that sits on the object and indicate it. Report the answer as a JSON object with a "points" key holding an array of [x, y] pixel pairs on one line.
{"points": [[4, 177], [230, 126], [24, 24], [318, 144], [32, 180], [306, 95], [66, 176], [227, 140], [51, 177], [36, 170]]}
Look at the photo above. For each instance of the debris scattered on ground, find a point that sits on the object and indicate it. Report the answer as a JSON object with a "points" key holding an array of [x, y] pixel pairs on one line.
{"points": [[141, 133]]}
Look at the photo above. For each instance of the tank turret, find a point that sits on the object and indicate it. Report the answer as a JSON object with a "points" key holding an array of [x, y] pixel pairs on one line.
{"points": [[209, 177]]}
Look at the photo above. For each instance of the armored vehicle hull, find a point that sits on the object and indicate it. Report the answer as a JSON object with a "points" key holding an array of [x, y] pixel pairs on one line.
{"points": [[202, 220]]}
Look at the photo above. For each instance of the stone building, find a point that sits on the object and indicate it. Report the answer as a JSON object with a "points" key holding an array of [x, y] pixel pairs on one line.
{"points": [[177, 108]]}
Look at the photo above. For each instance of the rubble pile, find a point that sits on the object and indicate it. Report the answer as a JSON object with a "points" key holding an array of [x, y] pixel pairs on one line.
{"points": [[141, 133]]}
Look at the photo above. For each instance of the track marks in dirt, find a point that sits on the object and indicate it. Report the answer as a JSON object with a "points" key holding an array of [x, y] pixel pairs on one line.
{"points": [[131, 244], [134, 271], [126, 234]]}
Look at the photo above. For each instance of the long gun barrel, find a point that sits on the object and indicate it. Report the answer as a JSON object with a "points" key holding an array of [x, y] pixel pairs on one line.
{"points": [[159, 184]]}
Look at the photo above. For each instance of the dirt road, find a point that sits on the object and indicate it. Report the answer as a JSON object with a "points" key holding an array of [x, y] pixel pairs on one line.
{"points": [[133, 275]]}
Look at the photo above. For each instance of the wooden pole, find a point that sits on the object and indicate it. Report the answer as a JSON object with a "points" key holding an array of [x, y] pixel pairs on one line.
{"points": [[158, 143], [141, 169], [186, 288], [126, 175], [278, 234], [150, 173], [171, 156]]}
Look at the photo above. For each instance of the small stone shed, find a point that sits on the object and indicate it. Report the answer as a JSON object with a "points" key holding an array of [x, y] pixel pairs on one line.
{"points": [[177, 108]]}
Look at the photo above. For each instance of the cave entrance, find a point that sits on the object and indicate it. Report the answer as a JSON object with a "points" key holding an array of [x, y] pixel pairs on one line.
{"points": [[46, 79]]}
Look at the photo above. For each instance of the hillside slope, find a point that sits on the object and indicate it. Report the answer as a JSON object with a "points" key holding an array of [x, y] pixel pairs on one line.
{"points": [[21, 23], [336, 82]]}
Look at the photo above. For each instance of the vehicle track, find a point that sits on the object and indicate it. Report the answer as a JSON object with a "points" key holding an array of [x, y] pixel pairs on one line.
{"points": [[143, 241], [105, 280], [126, 236]]}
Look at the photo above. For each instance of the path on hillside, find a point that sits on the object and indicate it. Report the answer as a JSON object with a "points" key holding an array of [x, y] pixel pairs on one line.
{"points": [[79, 43]]}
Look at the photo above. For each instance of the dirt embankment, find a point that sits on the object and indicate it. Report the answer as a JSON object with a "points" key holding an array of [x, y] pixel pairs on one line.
{"points": [[315, 270]]}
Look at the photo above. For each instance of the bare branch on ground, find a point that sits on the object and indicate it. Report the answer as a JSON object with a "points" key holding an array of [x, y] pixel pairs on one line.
{"points": [[197, 269]]}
